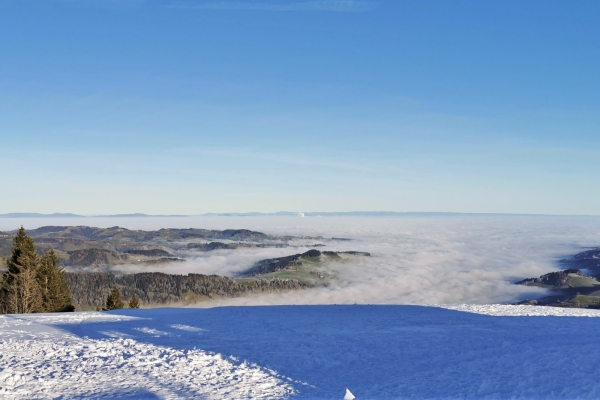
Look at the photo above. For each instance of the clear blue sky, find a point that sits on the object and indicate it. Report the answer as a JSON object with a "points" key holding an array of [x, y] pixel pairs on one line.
{"points": [[190, 106]]}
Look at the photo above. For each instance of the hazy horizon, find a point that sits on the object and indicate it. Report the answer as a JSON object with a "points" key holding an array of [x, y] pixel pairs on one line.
{"points": [[29, 215]]}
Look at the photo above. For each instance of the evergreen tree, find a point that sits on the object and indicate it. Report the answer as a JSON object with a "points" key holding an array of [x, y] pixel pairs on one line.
{"points": [[114, 299], [134, 302], [23, 254], [56, 296], [20, 289]]}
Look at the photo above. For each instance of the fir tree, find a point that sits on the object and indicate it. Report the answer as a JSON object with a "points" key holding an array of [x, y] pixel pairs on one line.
{"points": [[20, 289], [56, 296], [134, 302], [114, 299]]}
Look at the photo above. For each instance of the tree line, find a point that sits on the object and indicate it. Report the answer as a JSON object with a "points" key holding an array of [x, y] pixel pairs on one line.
{"points": [[155, 288]]}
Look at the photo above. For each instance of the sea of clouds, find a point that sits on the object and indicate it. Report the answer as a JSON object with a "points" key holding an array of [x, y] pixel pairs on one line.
{"points": [[415, 259]]}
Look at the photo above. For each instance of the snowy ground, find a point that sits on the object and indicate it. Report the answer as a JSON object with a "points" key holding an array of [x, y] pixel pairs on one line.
{"points": [[493, 352]]}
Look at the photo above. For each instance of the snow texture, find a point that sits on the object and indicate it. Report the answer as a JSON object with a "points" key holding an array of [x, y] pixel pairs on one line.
{"points": [[417, 352], [502, 310], [39, 361]]}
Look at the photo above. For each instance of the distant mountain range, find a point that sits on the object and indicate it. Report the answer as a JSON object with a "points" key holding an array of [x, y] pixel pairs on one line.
{"points": [[260, 214], [326, 214], [37, 215], [71, 215]]}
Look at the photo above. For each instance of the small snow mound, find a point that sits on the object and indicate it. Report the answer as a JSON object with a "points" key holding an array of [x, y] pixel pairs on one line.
{"points": [[349, 395]]}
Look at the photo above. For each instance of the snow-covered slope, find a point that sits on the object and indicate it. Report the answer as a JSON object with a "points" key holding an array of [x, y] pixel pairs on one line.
{"points": [[493, 352]]}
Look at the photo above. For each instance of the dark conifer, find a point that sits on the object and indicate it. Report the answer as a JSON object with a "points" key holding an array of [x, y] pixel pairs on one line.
{"points": [[56, 295], [134, 302], [20, 290], [114, 299], [23, 254]]}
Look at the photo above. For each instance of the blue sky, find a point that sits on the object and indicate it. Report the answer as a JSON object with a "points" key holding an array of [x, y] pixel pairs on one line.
{"points": [[110, 106]]}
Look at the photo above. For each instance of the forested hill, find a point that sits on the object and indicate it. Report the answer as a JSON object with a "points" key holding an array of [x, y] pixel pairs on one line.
{"points": [[98, 248], [155, 288]]}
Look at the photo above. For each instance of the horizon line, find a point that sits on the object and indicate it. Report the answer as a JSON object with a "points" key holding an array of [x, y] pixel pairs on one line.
{"points": [[285, 213]]}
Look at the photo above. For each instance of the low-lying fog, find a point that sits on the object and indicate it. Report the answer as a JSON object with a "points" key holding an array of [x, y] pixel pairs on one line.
{"points": [[419, 260]]}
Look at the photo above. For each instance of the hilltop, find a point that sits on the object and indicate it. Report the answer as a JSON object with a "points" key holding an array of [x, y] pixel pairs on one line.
{"points": [[577, 286]]}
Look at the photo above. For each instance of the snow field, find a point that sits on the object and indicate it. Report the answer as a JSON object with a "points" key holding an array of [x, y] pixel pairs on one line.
{"points": [[315, 352]]}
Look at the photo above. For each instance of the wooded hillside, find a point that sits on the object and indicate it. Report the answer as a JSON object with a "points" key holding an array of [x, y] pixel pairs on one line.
{"points": [[155, 288]]}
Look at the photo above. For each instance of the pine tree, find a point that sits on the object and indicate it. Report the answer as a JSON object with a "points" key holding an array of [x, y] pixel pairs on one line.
{"points": [[56, 296], [113, 300], [134, 302], [20, 289]]}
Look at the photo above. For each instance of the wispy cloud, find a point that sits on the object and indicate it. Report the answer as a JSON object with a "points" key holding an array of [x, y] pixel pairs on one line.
{"points": [[283, 158], [314, 5]]}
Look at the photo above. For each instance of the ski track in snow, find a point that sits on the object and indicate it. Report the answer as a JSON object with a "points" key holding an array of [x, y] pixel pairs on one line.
{"points": [[421, 352]]}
